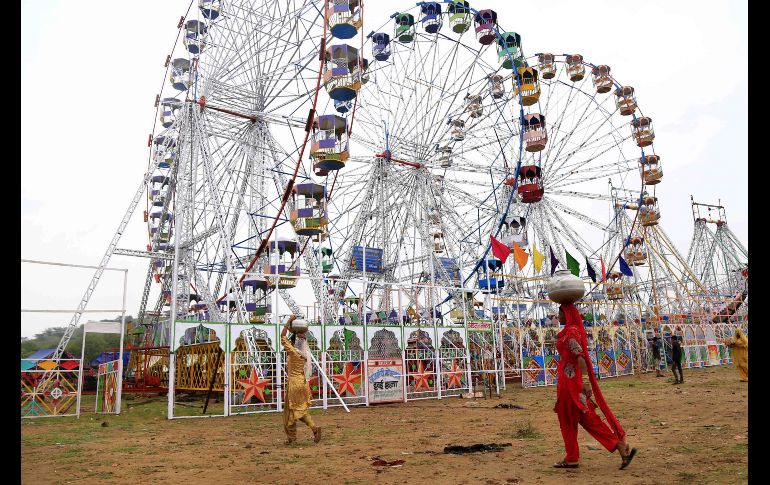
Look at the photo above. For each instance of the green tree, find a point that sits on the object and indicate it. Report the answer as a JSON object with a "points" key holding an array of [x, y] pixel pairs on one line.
{"points": [[96, 343]]}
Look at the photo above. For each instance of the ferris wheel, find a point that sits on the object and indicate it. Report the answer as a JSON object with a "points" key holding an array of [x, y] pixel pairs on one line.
{"points": [[459, 136], [230, 190]]}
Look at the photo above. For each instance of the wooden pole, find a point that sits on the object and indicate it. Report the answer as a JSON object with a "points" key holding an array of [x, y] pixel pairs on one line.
{"points": [[213, 377]]}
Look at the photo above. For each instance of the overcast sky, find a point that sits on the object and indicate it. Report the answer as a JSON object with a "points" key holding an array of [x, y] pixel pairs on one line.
{"points": [[90, 74]]}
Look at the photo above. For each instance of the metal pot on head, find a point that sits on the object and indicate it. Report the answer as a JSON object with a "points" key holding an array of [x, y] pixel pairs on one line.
{"points": [[565, 288]]}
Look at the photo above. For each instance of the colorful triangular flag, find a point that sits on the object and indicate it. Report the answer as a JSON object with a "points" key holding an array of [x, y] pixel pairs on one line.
{"points": [[554, 261], [604, 272], [624, 268], [572, 264], [591, 271], [500, 250], [520, 256], [537, 258]]}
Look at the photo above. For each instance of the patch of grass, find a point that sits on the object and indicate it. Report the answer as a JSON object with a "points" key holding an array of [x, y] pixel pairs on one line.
{"points": [[527, 432], [49, 440], [684, 449], [687, 476], [424, 462], [126, 449], [101, 474]]}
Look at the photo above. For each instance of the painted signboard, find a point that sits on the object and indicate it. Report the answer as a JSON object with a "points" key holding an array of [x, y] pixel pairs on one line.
{"points": [[385, 380]]}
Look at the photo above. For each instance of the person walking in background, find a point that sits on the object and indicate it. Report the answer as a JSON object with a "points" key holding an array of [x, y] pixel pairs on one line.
{"points": [[676, 360], [739, 345], [657, 346]]}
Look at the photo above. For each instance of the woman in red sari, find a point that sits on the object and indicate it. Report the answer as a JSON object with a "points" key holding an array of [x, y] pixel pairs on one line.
{"points": [[574, 387]]}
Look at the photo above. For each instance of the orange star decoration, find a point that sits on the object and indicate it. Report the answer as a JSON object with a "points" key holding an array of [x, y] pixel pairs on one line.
{"points": [[455, 376], [348, 379], [422, 378], [254, 386]]}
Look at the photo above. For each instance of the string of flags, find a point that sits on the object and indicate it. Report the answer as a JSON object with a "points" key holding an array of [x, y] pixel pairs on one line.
{"points": [[502, 251]]}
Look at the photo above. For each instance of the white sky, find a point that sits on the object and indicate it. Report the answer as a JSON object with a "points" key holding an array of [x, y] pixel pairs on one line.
{"points": [[90, 74]]}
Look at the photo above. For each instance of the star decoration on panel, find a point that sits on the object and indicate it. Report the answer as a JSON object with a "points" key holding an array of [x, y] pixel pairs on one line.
{"points": [[254, 387], [422, 378], [455, 376], [350, 379]]}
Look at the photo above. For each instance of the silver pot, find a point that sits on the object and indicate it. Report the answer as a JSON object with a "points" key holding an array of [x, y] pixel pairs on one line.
{"points": [[298, 326], [564, 287]]}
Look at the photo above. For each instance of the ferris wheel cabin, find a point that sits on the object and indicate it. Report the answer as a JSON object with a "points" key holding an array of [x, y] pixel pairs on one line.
{"points": [[496, 86], [342, 72], [180, 74], [652, 173], [486, 26], [473, 105], [546, 66], [614, 287], [535, 134], [257, 302], [625, 100], [458, 129], [168, 111], [283, 257], [459, 16], [404, 30], [642, 130], [491, 284], [649, 212], [601, 79], [530, 187], [210, 8], [195, 31], [509, 51], [528, 85], [344, 18], [575, 67], [381, 46], [329, 149], [431, 17], [309, 216], [636, 252]]}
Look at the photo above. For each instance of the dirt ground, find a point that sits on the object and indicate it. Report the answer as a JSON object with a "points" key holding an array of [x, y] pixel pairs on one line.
{"points": [[691, 433]]}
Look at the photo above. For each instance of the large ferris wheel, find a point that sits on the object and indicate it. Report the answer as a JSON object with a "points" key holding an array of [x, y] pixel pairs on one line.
{"points": [[291, 144]]}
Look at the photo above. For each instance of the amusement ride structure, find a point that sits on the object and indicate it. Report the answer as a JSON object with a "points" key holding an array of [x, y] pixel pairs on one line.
{"points": [[303, 162]]}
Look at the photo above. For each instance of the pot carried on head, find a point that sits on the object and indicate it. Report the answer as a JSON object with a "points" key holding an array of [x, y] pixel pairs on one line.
{"points": [[298, 326], [564, 287]]}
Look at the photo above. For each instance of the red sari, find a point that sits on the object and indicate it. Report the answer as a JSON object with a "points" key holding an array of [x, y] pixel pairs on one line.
{"points": [[572, 406]]}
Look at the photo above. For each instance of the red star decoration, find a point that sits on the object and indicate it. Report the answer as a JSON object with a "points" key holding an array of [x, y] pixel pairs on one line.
{"points": [[254, 386], [421, 377], [348, 379], [455, 376]]}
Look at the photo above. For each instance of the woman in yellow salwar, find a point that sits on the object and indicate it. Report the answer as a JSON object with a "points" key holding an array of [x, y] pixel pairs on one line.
{"points": [[740, 349], [298, 371]]}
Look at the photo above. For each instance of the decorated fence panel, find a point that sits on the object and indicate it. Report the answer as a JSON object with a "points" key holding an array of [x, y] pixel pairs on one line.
{"points": [[453, 360], [107, 387], [420, 362], [49, 387], [345, 364], [533, 372], [624, 360]]}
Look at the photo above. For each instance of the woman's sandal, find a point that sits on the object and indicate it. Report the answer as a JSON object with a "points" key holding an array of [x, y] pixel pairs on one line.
{"points": [[627, 459], [564, 464]]}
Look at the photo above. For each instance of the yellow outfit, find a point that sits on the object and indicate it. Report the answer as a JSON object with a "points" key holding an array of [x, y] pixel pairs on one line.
{"points": [[740, 349], [297, 391]]}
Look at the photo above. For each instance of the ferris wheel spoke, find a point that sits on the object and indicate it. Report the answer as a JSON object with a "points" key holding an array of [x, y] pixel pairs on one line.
{"points": [[576, 214], [562, 143], [611, 143]]}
